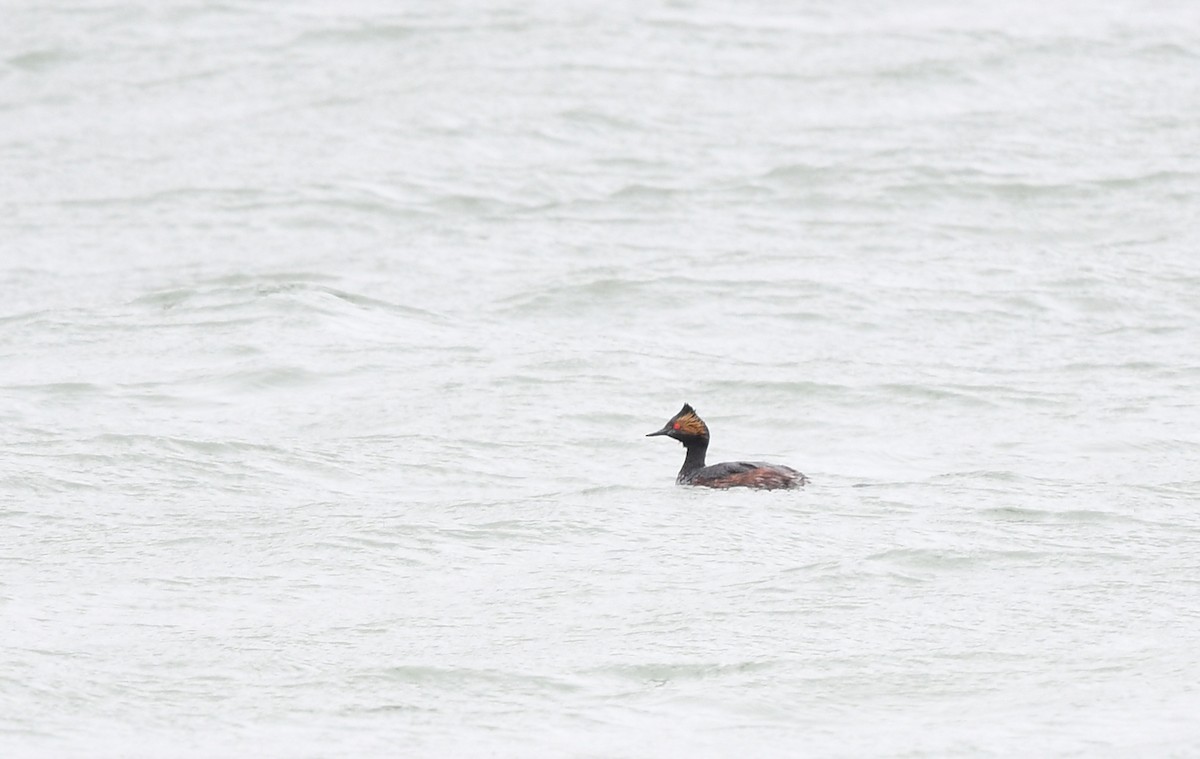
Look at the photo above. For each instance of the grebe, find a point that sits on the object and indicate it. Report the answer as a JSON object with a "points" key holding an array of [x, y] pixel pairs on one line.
{"points": [[688, 428]]}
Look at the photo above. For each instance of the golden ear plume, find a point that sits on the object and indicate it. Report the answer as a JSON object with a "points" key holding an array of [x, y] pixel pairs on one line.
{"points": [[690, 423]]}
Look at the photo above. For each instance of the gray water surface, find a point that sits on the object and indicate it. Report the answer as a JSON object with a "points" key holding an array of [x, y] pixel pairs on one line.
{"points": [[330, 333]]}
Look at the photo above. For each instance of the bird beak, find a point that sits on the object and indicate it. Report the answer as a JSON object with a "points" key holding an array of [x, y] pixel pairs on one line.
{"points": [[666, 430]]}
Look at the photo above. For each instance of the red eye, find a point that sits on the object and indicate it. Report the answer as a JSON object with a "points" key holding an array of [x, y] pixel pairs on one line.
{"points": [[676, 425]]}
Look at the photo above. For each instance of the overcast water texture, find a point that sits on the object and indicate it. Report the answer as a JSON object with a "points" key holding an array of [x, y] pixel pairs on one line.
{"points": [[330, 332]]}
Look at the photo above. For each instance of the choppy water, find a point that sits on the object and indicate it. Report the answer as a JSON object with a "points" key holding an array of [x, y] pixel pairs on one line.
{"points": [[330, 333]]}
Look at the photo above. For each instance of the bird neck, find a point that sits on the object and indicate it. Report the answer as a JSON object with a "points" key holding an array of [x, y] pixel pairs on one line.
{"points": [[696, 449]]}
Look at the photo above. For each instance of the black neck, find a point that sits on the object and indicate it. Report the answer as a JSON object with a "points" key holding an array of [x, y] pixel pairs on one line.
{"points": [[696, 448]]}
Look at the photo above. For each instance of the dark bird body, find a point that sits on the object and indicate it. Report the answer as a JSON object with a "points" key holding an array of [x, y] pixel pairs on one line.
{"points": [[688, 428]]}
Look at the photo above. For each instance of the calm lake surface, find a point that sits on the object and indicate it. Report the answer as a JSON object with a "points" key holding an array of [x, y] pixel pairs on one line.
{"points": [[330, 333]]}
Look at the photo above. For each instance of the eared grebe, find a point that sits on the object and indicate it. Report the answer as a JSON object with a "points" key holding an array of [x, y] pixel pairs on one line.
{"points": [[688, 428]]}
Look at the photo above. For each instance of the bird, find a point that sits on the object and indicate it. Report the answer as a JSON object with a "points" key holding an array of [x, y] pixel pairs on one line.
{"points": [[688, 428]]}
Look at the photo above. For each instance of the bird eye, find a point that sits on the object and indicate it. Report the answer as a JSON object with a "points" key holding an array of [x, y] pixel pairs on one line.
{"points": [[676, 425]]}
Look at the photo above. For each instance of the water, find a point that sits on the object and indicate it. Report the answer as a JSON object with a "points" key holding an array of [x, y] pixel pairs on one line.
{"points": [[331, 331]]}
